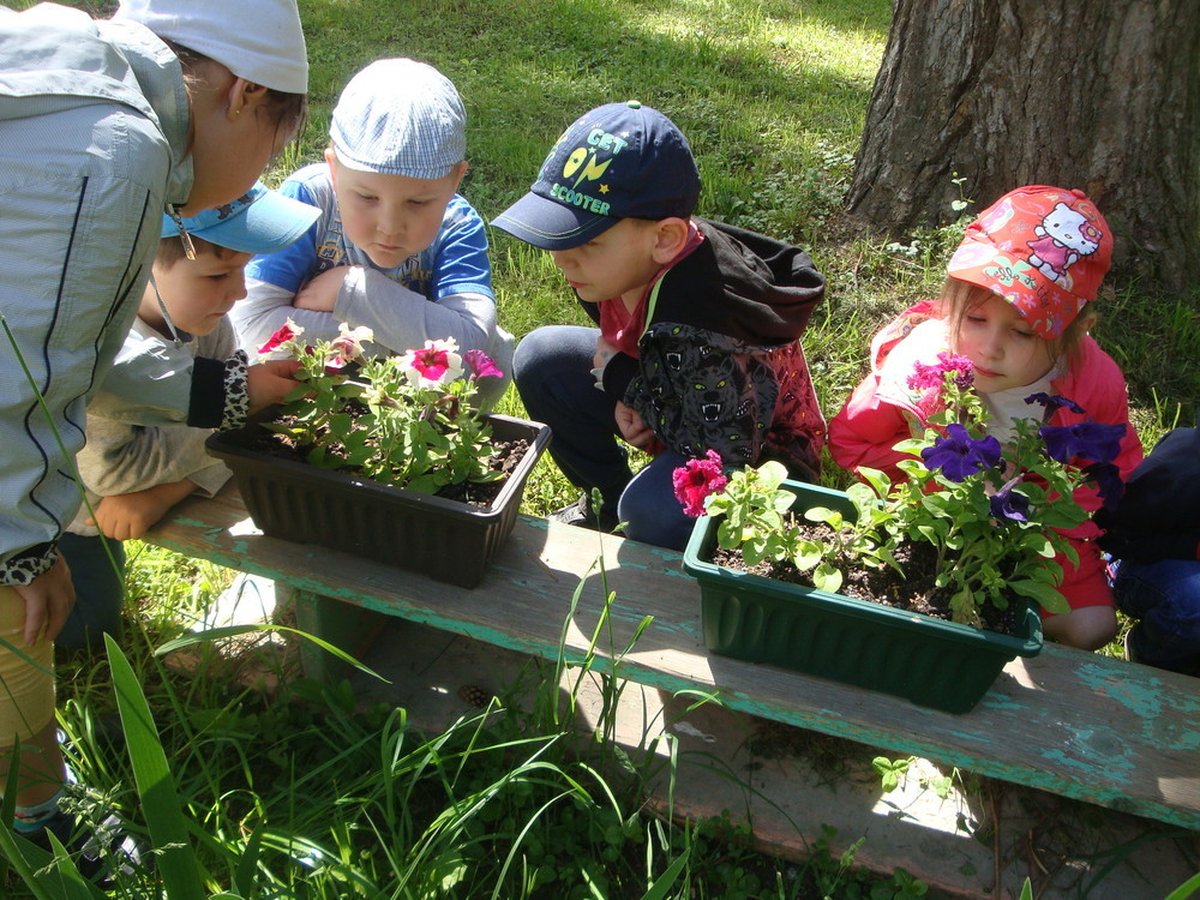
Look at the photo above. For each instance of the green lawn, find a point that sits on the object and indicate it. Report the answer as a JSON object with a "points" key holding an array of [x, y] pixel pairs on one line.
{"points": [[304, 796]]}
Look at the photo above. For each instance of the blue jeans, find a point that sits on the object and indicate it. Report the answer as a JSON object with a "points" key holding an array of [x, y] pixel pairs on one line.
{"points": [[1165, 597], [99, 591], [552, 371]]}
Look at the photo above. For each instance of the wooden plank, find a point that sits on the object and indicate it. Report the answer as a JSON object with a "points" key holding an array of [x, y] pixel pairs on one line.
{"points": [[1077, 724]]}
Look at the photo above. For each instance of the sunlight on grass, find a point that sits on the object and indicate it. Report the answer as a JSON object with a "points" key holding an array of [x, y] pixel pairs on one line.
{"points": [[305, 792]]}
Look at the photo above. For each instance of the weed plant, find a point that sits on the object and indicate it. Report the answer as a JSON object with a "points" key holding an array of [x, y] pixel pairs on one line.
{"points": [[303, 793]]}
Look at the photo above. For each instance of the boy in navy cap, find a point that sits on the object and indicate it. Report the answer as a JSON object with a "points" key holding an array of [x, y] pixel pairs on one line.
{"points": [[182, 351], [699, 324]]}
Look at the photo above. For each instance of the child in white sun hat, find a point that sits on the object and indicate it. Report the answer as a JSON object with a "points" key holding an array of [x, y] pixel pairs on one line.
{"points": [[104, 126], [396, 249]]}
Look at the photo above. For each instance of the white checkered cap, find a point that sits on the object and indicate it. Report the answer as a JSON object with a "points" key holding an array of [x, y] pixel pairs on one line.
{"points": [[400, 117]]}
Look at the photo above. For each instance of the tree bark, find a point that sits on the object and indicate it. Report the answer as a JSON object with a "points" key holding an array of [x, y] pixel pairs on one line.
{"points": [[1099, 96]]}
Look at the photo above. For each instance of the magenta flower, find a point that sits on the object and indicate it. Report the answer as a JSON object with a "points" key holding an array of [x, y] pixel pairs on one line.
{"points": [[436, 363], [289, 331], [958, 454], [934, 376], [696, 480], [1092, 441], [483, 365]]}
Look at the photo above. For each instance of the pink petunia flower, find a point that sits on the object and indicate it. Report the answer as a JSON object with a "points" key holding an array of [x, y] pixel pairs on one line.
{"points": [[347, 346], [483, 365], [289, 331], [696, 480], [934, 376], [436, 363]]}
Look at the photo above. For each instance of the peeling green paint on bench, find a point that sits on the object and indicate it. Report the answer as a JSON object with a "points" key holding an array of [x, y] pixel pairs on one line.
{"points": [[1076, 724]]}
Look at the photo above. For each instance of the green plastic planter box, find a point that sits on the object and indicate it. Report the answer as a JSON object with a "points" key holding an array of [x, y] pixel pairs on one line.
{"points": [[447, 540], [929, 661]]}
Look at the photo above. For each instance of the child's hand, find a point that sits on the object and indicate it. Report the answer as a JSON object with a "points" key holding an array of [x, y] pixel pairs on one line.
{"points": [[321, 293], [125, 516], [48, 601], [633, 429], [270, 381], [604, 352]]}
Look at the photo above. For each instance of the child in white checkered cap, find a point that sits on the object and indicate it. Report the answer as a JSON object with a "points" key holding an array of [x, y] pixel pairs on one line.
{"points": [[396, 247]]}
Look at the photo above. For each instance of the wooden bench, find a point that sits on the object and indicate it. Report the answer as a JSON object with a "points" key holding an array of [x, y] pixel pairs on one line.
{"points": [[1077, 724]]}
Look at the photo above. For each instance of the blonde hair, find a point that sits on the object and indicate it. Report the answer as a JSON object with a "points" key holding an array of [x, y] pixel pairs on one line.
{"points": [[170, 250], [960, 297]]}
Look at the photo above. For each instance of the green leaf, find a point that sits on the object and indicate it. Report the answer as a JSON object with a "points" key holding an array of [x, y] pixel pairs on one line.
{"points": [[878, 480], [176, 860], [827, 578], [660, 888], [808, 554], [830, 517], [1185, 890], [771, 474], [1050, 599]]}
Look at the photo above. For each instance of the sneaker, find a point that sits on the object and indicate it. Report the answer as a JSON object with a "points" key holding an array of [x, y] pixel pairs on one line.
{"points": [[98, 854], [580, 515], [1131, 651]]}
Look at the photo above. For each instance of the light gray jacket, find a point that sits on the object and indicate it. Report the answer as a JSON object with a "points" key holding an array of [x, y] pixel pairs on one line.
{"points": [[93, 144], [123, 456]]}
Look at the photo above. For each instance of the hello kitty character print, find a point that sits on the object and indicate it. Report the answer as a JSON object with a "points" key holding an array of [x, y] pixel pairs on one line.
{"points": [[1063, 238]]}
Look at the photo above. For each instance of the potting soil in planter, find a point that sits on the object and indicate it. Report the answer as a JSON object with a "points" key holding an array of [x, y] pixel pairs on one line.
{"points": [[936, 663], [449, 540]]}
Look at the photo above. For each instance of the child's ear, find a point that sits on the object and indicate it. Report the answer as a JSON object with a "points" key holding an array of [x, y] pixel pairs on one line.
{"points": [[331, 161], [671, 236]]}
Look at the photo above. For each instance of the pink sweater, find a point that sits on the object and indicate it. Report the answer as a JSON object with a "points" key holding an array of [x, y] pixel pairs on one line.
{"points": [[873, 419]]}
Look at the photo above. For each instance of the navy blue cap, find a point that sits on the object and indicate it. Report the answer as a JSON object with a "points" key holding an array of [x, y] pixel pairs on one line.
{"points": [[259, 221], [618, 161]]}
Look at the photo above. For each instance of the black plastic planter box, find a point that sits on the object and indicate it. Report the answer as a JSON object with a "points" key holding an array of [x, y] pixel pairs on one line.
{"points": [[445, 539]]}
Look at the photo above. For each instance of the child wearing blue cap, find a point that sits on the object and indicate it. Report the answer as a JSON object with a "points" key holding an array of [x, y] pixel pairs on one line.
{"points": [[396, 248], [697, 344], [182, 351]]}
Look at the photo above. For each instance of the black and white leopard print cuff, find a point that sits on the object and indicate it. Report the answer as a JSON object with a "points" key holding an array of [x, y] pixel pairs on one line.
{"points": [[237, 397], [29, 565]]}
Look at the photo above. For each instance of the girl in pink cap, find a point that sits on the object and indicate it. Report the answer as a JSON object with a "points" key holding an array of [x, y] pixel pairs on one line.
{"points": [[1017, 303]]}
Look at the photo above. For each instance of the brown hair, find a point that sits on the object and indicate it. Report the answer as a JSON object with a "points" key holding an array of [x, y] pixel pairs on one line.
{"points": [[960, 297], [286, 111]]}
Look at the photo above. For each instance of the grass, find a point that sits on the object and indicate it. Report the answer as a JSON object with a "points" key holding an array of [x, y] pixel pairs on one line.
{"points": [[306, 794]]}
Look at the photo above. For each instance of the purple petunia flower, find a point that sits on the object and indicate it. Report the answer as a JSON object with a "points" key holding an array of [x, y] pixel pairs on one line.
{"points": [[1010, 504], [1054, 401], [1093, 441], [958, 454], [1107, 478]]}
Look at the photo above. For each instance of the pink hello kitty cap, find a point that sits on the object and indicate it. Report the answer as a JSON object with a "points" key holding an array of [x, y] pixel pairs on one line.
{"points": [[1043, 249]]}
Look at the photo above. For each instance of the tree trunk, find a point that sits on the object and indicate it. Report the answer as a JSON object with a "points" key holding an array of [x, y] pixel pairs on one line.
{"points": [[1093, 95]]}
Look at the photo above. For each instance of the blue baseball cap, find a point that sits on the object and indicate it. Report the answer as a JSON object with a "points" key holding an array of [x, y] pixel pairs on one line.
{"points": [[618, 161], [259, 221]]}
